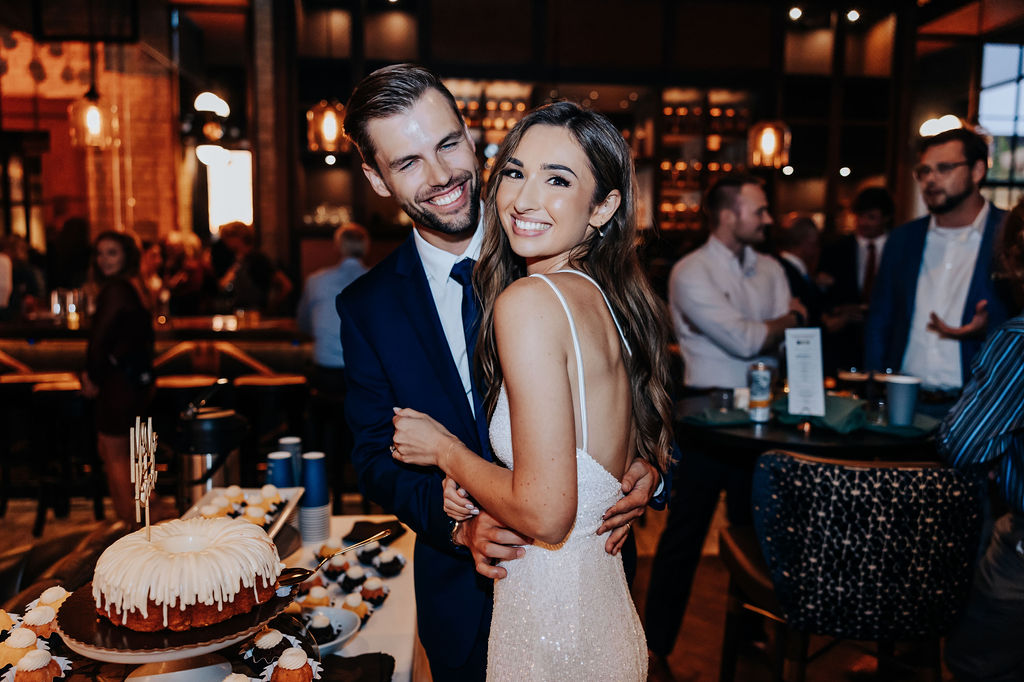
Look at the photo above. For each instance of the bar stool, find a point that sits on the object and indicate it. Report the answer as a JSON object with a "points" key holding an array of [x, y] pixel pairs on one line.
{"points": [[64, 447], [15, 391], [275, 405]]}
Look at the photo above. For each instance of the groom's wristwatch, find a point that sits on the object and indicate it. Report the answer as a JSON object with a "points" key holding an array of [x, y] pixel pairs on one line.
{"points": [[453, 532]]}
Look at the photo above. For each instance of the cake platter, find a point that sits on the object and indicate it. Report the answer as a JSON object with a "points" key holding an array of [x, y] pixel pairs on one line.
{"points": [[89, 635]]}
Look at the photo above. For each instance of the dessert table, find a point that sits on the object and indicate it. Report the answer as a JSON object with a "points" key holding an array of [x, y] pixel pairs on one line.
{"points": [[392, 627]]}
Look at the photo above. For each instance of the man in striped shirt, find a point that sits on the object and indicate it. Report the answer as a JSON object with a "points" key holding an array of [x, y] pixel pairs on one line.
{"points": [[986, 428]]}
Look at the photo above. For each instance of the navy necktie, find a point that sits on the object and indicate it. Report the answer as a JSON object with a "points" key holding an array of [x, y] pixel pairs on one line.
{"points": [[462, 272]]}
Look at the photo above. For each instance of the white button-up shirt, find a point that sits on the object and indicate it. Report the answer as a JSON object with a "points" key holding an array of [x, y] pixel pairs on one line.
{"points": [[447, 295], [947, 265], [719, 307]]}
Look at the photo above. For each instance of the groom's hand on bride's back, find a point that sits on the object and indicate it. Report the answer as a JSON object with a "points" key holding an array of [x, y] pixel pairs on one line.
{"points": [[489, 541], [639, 484]]}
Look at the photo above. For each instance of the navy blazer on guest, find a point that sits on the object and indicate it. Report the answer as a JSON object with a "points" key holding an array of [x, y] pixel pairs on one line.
{"points": [[895, 290], [396, 355]]}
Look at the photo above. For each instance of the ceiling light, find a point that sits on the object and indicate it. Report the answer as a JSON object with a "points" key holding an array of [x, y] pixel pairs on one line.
{"points": [[844, 171], [852, 16], [934, 126], [787, 170], [207, 101], [795, 13]]}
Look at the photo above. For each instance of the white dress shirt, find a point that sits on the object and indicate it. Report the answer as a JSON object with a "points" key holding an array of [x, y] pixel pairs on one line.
{"points": [[719, 308], [862, 256], [947, 265], [447, 295]]}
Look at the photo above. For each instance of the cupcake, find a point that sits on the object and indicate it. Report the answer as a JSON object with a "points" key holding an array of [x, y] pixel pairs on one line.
{"points": [[234, 494], [326, 550], [6, 623], [256, 515], [53, 596], [354, 577], [321, 628], [267, 646], [271, 495], [389, 563], [18, 643], [255, 500], [221, 502], [37, 666], [354, 603], [317, 597], [41, 620], [336, 566], [307, 585], [374, 591], [366, 553], [212, 511], [237, 677], [293, 666]]}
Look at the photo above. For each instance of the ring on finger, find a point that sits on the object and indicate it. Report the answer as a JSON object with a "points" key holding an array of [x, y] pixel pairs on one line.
{"points": [[392, 448]]}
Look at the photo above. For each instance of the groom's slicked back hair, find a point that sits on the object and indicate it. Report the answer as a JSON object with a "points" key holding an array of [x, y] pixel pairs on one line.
{"points": [[385, 92]]}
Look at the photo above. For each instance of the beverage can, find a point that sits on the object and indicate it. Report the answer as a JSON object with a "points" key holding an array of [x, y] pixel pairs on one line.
{"points": [[760, 380]]}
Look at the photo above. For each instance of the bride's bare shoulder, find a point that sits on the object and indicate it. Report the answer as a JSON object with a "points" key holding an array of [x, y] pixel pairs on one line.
{"points": [[527, 303]]}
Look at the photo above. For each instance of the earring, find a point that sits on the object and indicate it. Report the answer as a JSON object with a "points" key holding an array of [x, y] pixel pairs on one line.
{"points": [[600, 232]]}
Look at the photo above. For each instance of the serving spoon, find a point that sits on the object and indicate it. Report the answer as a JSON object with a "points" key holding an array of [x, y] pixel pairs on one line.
{"points": [[297, 574]]}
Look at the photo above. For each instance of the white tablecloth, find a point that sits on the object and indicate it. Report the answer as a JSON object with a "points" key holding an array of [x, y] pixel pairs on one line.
{"points": [[392, 626]]}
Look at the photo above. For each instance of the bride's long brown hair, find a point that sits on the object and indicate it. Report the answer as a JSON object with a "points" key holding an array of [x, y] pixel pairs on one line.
{"points": [[611, 260]]}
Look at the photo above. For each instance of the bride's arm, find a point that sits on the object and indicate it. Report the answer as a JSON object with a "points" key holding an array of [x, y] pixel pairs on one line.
{"points": [[538, 498]]}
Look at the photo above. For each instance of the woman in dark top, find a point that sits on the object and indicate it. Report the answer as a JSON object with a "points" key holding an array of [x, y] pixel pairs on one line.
{"points": [[119, 360]]}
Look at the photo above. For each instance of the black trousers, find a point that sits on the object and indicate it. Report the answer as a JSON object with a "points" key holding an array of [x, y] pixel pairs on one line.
{"points": [[698, 481]]}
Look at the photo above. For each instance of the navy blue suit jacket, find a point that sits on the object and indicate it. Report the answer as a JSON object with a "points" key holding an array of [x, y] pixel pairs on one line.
{"points": [[895, 290], [396, 355]]}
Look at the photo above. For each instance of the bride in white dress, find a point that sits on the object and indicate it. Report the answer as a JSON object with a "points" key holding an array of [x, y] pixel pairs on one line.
{"points": [[574, 358]]}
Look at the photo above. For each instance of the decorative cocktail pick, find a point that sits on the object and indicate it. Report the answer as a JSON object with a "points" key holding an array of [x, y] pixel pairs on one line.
{"points": [[143, 467]]}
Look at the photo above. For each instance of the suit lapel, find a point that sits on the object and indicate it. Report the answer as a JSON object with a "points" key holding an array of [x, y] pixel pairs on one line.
{"points": [[983, 265], [915, 254], [416, 300]]}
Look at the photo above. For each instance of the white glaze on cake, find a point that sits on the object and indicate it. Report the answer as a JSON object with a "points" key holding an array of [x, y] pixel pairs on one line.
{"points": [[40, 615], [236, 677], [354, 599], [254, 499], [338, 561], [270, 492], [220, 501], [318, 592], [292, 659], [34, 660], [386, 556], [188, 562], [320, 620], [257, 514], [372, 584], [268, 639], [209, 510], [355, 573], [21, 638]]}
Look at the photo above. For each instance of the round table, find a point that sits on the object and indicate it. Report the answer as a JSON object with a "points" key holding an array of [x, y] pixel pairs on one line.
{"points": [[755, 439]]}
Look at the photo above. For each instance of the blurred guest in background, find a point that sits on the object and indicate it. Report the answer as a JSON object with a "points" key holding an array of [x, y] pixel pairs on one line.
{"points": [[119, 359], [68, 255], [184, 271], [6, 282], [318, 316], [933, 301], [986, 429], [29, 284], [730, 306], [799, 244], [151, 266], [252, 282], [849, 267]]}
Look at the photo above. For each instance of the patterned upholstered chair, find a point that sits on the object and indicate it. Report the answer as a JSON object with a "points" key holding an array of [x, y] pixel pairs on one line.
{"points": [[859, 550]]}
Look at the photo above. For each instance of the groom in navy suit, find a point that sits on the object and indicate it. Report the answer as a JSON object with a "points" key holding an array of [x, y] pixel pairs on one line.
{"points": [[934, 300], [408, 327]]}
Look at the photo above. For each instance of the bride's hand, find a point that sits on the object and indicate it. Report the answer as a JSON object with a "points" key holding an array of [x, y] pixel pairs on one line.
{"points": [[419, 439], [457, 504]]}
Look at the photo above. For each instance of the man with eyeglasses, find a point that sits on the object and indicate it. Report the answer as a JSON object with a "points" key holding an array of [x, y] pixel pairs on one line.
{"points": [[933, 300]]}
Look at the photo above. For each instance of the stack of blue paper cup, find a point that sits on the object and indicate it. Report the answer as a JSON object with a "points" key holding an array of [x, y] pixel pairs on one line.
{"points": [[292, 444], [279, 473], [315, 512]]}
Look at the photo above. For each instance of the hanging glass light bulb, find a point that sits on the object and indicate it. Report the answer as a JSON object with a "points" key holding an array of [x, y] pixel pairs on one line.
{"points": [[323, 127], [93, 124]]}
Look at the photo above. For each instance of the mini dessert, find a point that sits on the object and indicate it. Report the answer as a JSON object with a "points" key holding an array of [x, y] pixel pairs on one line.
{"points": [[293, 609], [267, 646], [37, 666], [354, 577], [255, 500], [237, 677], [305, 587], [256, 515], [222, 502], [41, 620], [234, 494], [389, 563], [317, 597], [271, 495], [293, 666], [354, 603], [325, 551], [374, 591], [321, 628], [6, 623], [336, 566], [53, 596], [195, 572], [18, 643], [366, 553], [212, 511]]}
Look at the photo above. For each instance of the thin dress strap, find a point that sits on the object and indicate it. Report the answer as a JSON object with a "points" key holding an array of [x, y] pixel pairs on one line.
{"points": [[607, 303], [579, 357]]}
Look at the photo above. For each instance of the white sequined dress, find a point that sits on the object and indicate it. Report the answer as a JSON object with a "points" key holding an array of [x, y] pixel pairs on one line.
{"points": [[564, 612]]}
